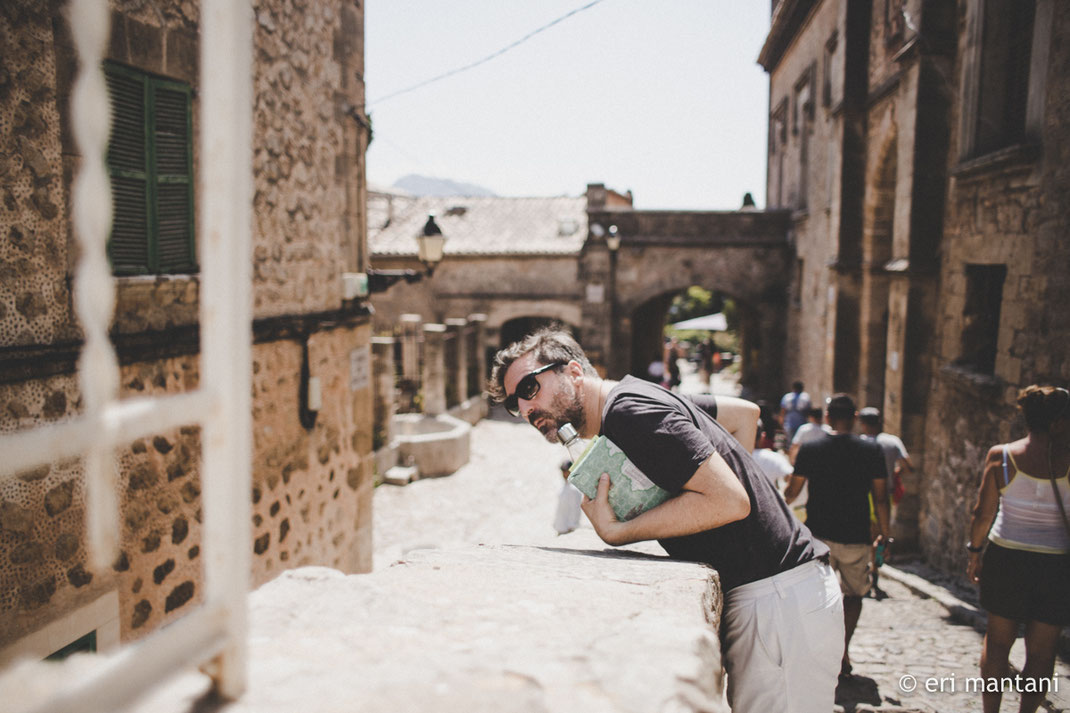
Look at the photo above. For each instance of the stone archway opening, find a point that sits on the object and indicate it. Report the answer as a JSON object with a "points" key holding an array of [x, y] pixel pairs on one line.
{"points": [[651, 325]]}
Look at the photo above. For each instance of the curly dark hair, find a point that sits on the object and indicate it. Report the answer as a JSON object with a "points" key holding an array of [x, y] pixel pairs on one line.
{"points": [[1043, 405], [550, 344]]}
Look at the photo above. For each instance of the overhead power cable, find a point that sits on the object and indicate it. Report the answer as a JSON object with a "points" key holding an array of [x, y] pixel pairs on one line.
{"points": [[488, 58]]}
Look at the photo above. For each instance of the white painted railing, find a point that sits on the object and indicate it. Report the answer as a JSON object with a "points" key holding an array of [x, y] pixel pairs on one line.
{"points": [[215, 633]]}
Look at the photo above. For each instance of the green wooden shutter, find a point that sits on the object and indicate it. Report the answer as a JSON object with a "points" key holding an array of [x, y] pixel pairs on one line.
{"points": [[150, 158], [174, 189], [127, 163]]}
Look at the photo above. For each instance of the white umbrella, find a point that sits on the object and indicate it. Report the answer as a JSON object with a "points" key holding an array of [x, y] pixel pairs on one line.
{"points": [[710, 323]]}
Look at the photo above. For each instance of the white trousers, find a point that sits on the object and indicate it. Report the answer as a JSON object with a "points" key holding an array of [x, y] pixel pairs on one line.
{"points": [[783, 641]]}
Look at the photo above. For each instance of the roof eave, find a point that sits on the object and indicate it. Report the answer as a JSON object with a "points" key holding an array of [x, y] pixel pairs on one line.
{"points": [[788, 18]]}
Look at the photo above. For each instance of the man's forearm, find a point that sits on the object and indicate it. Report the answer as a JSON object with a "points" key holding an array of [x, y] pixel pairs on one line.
{"points": [[712, 496], [686, 514], [740, 418]]}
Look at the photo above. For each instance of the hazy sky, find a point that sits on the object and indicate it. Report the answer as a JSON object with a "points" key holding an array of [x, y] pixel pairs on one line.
{"points": [[663, 97]]}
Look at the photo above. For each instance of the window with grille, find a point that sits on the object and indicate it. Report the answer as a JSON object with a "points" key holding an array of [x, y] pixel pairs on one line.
{"points": [[150, 160]]}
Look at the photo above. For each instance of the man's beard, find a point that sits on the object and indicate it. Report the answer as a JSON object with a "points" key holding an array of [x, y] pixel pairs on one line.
{"points": [[566, 407]]}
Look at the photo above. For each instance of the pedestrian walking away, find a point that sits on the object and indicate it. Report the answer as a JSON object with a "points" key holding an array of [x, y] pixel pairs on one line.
{"points": [[782, 623], [1018, 546], [896, 461], [793, 408], [813, 429], [841, 470]]}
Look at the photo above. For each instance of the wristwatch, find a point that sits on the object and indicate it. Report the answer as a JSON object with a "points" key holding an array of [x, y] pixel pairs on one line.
{"points": [[974, 550]]}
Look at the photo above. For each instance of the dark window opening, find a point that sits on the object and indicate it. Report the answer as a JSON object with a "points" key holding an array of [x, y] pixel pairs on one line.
{"points": [[826, 75], [778, 137], [797, 283], [802, 125], [1006, 50], [980, 330], [86, 644]]}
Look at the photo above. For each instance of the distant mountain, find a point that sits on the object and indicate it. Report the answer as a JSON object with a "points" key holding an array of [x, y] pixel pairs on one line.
{"points": [[428, 186]]}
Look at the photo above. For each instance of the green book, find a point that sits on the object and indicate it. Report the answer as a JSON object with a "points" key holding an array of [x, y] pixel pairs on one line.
{"points": [[630, 491]]}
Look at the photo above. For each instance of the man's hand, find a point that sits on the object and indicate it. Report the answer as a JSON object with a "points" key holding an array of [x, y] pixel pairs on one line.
{"points": [[601, 515]]}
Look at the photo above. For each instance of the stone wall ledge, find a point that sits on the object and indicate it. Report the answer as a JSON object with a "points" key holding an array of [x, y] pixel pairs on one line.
{"points": [[561, 627]]}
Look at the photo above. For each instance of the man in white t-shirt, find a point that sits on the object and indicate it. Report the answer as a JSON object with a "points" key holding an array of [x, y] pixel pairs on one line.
{"points": [[896, 457], [896, 460]]}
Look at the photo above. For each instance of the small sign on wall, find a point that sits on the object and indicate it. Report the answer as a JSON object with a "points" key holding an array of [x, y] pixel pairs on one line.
{"points": [[596, 294], [360, 368]]}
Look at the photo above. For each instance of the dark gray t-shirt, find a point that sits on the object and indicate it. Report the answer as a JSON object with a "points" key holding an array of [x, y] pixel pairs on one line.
{"points": [[668, 437], [840, 470]]}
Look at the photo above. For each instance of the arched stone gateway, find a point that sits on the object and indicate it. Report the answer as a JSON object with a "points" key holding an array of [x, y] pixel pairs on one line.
{"points": [[745, 255], [526, 261]]}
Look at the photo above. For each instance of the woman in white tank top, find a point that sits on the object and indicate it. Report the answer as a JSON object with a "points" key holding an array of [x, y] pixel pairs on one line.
{"points": [[1019, 524]]}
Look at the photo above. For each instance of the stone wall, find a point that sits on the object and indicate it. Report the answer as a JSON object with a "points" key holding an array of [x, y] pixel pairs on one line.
{"points": [[502, 287], [34, 300], [299, 136], [312, 486], [918, 211], [1005, 209], [312, 469]]}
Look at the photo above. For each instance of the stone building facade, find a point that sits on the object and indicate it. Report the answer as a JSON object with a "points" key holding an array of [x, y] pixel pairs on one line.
{"points": [[918, 144], [312, 469], [526, 261]]}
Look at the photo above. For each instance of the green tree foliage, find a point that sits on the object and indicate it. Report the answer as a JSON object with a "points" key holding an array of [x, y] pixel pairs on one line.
{"points": [[693, 302], [697, 302]]}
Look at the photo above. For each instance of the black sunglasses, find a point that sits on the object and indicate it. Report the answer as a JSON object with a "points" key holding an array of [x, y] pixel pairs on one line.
{"points": [[527, 388]]}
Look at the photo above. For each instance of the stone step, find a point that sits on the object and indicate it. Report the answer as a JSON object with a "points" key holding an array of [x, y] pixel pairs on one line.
{"points": [[401, 475]]}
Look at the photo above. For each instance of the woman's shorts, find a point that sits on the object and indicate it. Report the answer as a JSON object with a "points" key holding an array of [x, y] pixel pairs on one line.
{"points": [[1026, 586]]}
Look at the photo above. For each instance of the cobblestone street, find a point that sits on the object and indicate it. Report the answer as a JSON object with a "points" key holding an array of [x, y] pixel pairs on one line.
{"points": [[507, 494]]}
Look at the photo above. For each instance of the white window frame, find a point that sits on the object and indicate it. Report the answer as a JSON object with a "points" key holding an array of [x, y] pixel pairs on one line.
{"points": [[216, 631]]}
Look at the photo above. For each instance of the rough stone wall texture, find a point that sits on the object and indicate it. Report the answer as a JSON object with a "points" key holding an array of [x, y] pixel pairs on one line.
{"points": [[312, 489], [1014, 215], [41, 514], [300, 199], [43, 555], [159, 503], [33, 204]]}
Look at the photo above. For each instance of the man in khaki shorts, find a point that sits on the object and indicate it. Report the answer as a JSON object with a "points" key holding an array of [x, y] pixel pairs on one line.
{"points": [[842, 470]]}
